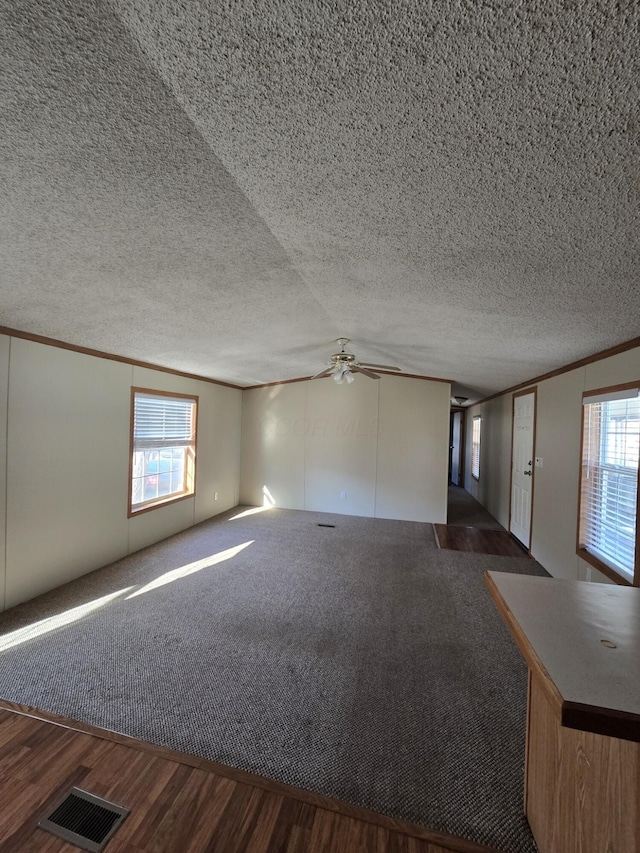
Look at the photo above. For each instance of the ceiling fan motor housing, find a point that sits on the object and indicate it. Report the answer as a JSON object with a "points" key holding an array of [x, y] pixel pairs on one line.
{"points": [[343, 358], [343, 365]]}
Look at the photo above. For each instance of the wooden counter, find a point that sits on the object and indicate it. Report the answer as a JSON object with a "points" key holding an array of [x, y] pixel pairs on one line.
{"points": [[581, 643]]}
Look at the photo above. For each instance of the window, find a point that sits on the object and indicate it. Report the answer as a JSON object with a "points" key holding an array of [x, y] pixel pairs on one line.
{"points": [[609, 482], [475, 447], [163, 448]]}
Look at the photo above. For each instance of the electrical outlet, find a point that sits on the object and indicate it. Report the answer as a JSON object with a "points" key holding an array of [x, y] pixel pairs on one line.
{"points": [[343, 495], [588, 574], [215, 496]]}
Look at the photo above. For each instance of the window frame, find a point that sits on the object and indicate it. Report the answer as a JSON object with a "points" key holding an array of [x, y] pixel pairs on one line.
{"points": [[475, 447], [608, 571], [191, 455]]}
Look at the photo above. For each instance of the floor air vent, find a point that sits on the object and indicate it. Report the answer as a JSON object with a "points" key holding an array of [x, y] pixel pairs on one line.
{"points": [[84, 820]]}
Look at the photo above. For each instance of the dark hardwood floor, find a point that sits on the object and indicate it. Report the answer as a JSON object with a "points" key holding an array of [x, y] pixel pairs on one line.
{"points": [[179, 803], [497, 542]]}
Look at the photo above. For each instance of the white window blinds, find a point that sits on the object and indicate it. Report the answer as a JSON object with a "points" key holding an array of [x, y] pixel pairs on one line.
{"points": [[162, 421], [609, 498]]}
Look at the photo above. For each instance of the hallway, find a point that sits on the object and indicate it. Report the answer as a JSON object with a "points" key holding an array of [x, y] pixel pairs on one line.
{"points": [[471, 528], [464, 510]]}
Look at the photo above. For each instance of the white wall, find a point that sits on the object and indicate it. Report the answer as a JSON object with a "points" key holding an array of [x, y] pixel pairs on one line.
{"points": [[67, 467], [5, 345], [384, 444], [67, 461], [556, 484], [413, 449], [273, 428], [341, 452], [558, 426]]}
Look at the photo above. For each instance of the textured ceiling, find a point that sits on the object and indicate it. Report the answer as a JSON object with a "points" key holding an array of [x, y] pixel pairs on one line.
{"points": [[225, 188]]}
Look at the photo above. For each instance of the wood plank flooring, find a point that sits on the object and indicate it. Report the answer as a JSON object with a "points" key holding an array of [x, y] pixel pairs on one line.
{"points": [[179, 803], [497, 542]]}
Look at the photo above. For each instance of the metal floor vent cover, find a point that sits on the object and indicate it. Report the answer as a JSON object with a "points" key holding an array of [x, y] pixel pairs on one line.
{"points": [[84, 820]]}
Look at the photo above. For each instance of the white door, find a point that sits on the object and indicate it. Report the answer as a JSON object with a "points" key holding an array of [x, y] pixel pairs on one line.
{"points": [[456, 435], [522, 466]]}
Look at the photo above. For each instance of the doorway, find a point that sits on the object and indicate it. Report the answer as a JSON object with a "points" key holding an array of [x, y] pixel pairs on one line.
{"points": [[456, 436], [522, 467]]}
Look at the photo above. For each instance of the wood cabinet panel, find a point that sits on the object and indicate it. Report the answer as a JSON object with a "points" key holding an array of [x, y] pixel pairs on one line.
{"points": [[583, 789]]}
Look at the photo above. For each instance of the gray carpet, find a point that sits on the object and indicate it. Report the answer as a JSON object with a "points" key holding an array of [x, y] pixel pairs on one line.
{"points": [[464, 510], [358, 661]]}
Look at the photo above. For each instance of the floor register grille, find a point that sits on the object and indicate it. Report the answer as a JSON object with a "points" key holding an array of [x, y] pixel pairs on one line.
{"points": [[85, 820]]}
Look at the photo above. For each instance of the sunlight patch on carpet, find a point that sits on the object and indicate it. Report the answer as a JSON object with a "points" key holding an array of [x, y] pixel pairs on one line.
{"points": [[52, 623], [191, 568]]}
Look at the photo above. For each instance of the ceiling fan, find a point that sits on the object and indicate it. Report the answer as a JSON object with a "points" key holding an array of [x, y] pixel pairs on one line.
{"points": [[344, 364]]}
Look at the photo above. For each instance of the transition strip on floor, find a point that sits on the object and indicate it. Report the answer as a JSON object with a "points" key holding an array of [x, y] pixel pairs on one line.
{"points": [[276, 808]]}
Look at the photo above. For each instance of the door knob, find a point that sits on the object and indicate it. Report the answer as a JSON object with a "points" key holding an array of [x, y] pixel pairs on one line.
{"points": [[527, 473]]}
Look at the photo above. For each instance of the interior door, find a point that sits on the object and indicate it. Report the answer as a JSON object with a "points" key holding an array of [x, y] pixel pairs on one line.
{"points": [[524, 410], [456, 439]]}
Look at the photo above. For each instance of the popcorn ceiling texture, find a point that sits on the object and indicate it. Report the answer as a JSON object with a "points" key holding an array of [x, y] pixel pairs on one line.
{"points": [[225, 188]]}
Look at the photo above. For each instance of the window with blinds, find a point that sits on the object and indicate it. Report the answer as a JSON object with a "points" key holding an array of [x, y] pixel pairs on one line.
{"points": [[163, 448], [475, 447], [609, 482]]}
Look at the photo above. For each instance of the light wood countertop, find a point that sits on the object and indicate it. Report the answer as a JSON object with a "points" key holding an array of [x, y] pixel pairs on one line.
{"points": [[584, 639]]}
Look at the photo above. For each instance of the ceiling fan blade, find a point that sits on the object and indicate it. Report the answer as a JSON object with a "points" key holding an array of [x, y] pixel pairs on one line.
{"points": [[324, 372], [379, 366], [361, 369]]}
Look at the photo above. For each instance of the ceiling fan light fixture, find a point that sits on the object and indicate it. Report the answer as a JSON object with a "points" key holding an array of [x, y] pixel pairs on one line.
{"points": [[344, 365]]}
